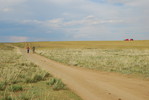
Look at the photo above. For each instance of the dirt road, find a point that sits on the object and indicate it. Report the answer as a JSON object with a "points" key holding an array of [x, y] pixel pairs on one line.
{"points": [[94, 85]]}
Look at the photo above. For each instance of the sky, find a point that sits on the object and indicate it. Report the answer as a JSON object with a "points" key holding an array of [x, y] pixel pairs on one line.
{"points": [[73, 20]]}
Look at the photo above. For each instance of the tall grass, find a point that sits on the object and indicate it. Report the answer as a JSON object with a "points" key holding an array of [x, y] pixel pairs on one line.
{"points": [[23, 80], [56, 84], [15, 67], [128, 61]]}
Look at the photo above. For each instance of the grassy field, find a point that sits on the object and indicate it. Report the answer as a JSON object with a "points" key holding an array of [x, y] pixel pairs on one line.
{"points": [[142, 44], [128, 61], [23, 80], [128, 57]]}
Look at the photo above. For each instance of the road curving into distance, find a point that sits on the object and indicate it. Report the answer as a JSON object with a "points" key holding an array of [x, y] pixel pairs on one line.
{"points": [[93, 85]]}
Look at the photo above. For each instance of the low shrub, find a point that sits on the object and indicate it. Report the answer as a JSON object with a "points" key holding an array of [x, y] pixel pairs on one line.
{"points": [[37, 78], [16, 88], [34, 79], [47, 75], [56, 84], [2, 86], [51, 82], [59, 85]]}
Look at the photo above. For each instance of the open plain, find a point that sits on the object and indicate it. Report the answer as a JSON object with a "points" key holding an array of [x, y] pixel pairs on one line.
{"points": [[96, 84]]}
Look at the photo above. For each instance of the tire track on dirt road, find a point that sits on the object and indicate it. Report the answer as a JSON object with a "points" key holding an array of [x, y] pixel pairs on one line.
{"points": [[94, 85]]}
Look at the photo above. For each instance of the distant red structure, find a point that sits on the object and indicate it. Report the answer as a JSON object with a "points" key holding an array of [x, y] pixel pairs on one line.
{"points": [[126, 40], [129, 40]]}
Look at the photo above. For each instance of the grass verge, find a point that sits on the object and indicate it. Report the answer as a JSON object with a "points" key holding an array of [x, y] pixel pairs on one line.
{"points": [[23, 80]]}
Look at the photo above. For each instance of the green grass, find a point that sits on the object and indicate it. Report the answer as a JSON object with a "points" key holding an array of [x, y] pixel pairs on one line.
{"points": [[16, 88], [23, 80], [127, 61], [56, 84], [2, 86]]}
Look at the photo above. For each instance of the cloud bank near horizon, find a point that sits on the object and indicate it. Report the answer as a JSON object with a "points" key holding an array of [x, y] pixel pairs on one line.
{"points": [[68, 20]]}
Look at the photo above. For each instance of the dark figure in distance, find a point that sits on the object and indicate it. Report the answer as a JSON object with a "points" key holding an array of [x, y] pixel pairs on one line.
{"points": [[33, 49], [28, 49]]}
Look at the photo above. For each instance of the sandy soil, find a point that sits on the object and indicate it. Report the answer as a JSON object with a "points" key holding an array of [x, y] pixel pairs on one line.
{"points": [[94, 85]]}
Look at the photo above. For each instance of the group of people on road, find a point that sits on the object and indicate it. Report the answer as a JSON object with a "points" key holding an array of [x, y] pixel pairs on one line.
{"points": [[28, 49]]}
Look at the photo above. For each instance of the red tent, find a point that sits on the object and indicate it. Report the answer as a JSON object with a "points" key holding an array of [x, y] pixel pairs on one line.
{"points": [[126, 39], [131, 39]]}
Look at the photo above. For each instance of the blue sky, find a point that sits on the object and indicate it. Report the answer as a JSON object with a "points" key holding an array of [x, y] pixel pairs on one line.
{"points": [[73, 20]]}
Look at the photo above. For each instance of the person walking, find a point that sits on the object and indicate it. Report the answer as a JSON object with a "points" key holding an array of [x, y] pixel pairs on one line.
{"points": [[28, 49], [33, 49]]}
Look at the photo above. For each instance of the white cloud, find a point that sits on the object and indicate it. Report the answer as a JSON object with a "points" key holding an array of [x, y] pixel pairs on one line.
{"points": [[79, 18], [17, 39], [10, 8], [54, 23], [13, 39], [31, 22], [91, 20]]}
